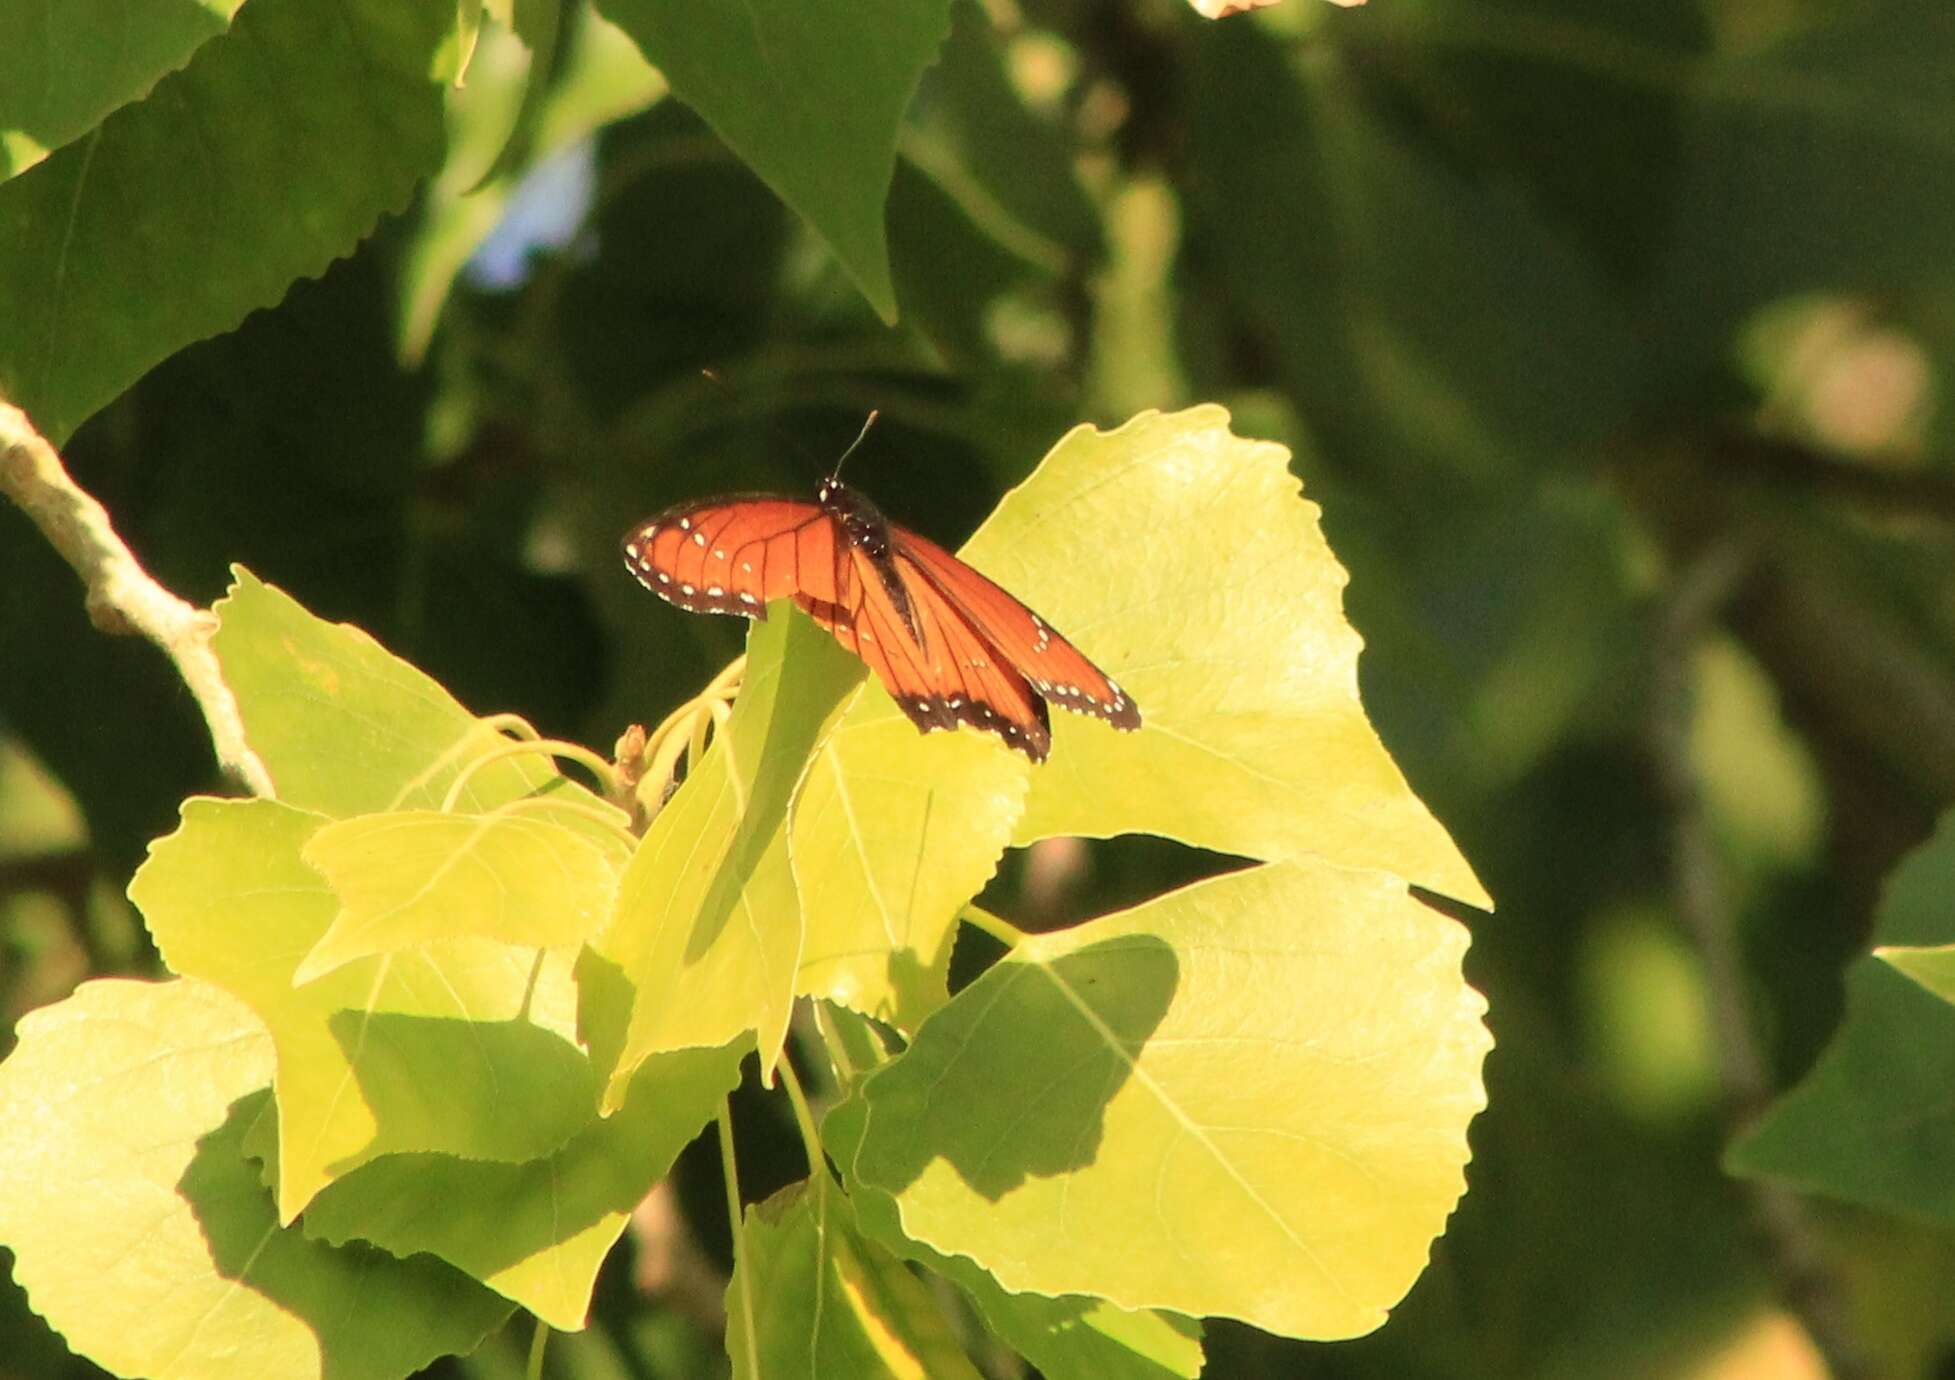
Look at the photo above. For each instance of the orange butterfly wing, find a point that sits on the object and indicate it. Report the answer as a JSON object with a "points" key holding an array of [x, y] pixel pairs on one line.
{"points": [[964, 651]]}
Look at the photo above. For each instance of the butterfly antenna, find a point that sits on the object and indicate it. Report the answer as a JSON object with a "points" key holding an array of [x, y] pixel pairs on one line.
{"points": [[733, 395], [868, 422]]}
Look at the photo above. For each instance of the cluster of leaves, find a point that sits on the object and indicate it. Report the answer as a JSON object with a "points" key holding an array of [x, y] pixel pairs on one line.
{"points": [[489, 1016], [1460, 254]]}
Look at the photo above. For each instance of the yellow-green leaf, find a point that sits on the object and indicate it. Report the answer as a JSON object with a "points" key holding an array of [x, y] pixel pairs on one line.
{"points": [[891, 833], [416, 877], [812, 1299], [707, 933], [1248, 1099], [466, 1047], [536, 1233], [1068, 1338], [345, 727], [140, 1230], [1931, 965], [1180, 558]]}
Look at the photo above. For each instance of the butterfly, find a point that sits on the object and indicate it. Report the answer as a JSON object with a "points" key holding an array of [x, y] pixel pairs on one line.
{"points": [[948, 644]]}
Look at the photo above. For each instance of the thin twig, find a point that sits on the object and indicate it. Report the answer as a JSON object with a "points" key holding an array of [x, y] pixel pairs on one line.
{"points": [[1806, 1284], [121, 596]]}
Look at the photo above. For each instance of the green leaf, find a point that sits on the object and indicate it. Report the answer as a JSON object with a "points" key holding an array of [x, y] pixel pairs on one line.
{"points": [[536, 1232], [707, 934], [415, 877], [142, 1232], [269, 156], [457, 48], [466, 1048], [1067, 1338], [809, 95], [1012, 173], [507, 119], [890, 835], [539, 25], [1248, 1098], [345, 727], [66, 64], [1179, 557], [1872, 1122], [810, 1297]]}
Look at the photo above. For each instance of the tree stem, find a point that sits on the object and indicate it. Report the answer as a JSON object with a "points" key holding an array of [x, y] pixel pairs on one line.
{"points": [[121, 597]]}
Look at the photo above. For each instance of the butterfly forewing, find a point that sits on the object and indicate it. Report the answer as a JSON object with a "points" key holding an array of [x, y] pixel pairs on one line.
{"points": [[731, 555]]}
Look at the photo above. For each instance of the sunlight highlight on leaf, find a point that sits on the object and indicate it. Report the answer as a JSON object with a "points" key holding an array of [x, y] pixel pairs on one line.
{"points": [[346, 727], [466, 1047], [416, 877], [890, 836], [1067, 1338], [707, 932], [1289, 1050], [537, 1233], [1179, 557], [141, 1231]]}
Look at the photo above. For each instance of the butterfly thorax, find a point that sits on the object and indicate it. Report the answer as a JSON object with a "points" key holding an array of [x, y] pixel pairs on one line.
{"points": [[867, 530], [862, 522]]}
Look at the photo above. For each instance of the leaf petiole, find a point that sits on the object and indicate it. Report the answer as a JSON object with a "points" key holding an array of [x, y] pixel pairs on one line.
{"points": [[994, 925]]}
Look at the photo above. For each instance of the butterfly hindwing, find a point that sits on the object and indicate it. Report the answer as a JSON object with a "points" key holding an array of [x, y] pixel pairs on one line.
{"points": [[1055, 668]]}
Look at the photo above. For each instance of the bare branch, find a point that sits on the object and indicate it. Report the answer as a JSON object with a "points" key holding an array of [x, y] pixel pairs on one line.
{"points": [[1698, 596], [121, 597]]}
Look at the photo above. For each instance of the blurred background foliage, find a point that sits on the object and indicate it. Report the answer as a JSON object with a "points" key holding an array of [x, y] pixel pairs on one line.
{"points": [[1559, 305]]}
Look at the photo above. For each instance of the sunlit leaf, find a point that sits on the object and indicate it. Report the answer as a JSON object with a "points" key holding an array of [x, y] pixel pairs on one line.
{"points": [[1248, 1099], [1179, 557], [466, 1048], [809, 95], [891, 834], [1933, 966], [1067, 1338], [346, 727], [707, 933], [416, 877], [811, 1298], [68, 63], [1872, 1122], [141, 1231], [537, 1232], [269, 156], [457, 48]]}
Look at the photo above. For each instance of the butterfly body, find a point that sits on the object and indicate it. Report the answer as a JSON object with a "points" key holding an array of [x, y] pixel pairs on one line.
{"points": [[948, 644]]}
